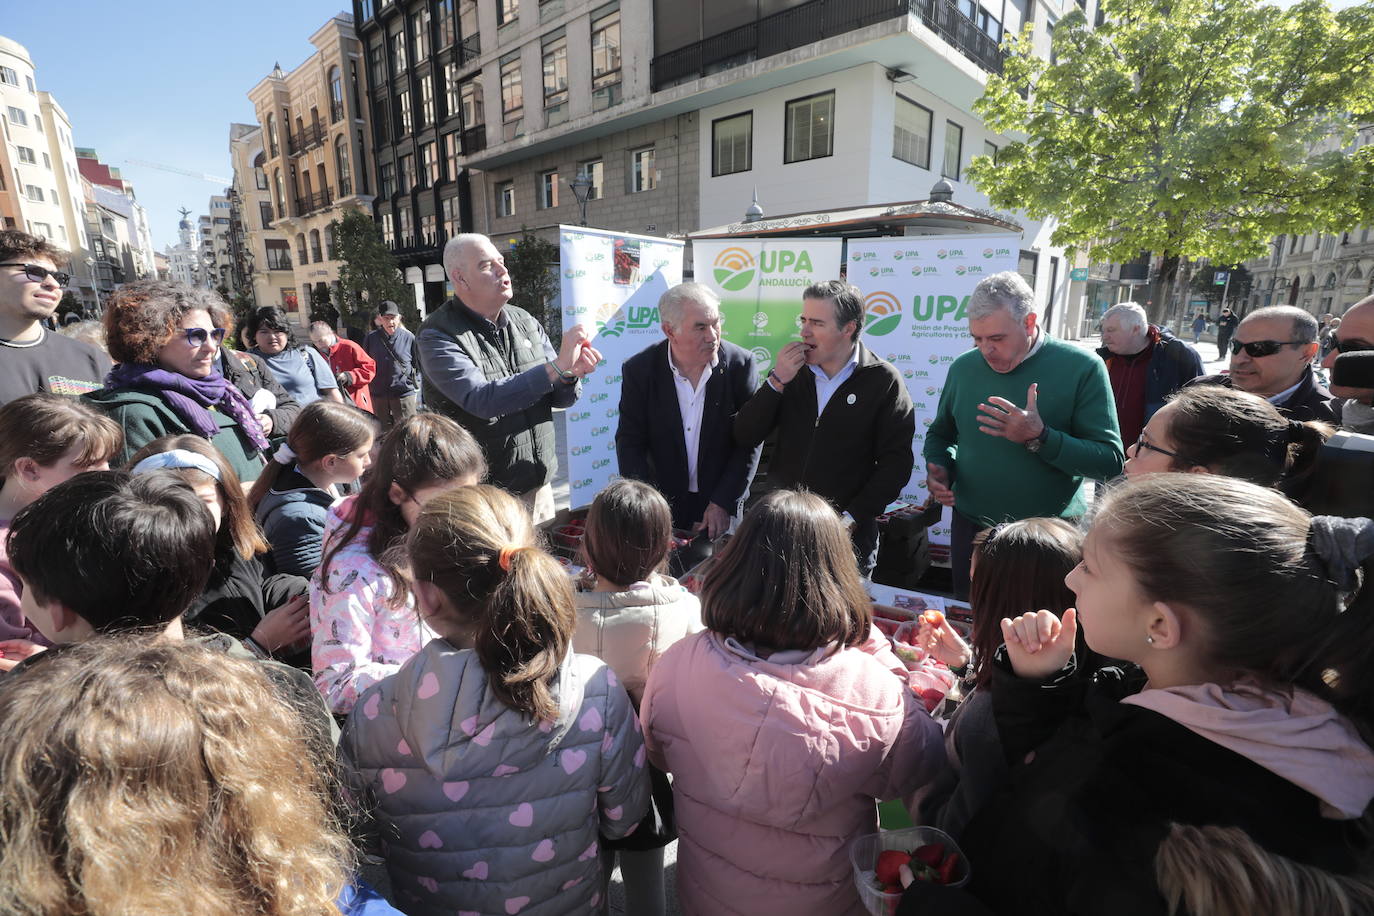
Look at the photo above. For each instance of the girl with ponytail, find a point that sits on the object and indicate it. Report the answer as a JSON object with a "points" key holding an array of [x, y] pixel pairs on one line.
{"points": [[495, 757], [329, 445]]}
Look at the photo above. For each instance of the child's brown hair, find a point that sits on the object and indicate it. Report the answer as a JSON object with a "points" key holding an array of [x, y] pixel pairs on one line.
{"points": [[46, 426], [629, 531]]}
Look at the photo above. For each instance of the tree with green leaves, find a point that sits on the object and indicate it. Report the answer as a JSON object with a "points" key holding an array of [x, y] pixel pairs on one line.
{"points": [[533, 267], [368, 272], [1187, 128]]}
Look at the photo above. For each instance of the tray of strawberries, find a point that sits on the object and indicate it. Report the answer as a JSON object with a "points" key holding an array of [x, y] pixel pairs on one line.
{"points": [[930, 853]]}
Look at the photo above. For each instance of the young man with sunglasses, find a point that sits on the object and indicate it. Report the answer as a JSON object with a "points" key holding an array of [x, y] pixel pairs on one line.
{"points": [[1354, 333], [33, 358], [1271, 356]]}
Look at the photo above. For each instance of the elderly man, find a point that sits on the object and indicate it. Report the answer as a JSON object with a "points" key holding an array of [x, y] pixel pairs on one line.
{"points": [[1271, 356], [678, 402], [353, 368], [1016, 462], [490, 366], [845, 425], [392, 347], [1146, 364], [1353, 332]]}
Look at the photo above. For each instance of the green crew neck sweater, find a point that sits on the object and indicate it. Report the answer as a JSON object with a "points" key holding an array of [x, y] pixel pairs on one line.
{"points": [[997, 480]]}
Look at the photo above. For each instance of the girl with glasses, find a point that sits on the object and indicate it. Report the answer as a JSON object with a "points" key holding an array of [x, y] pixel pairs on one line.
{"points": [[166, 342]]}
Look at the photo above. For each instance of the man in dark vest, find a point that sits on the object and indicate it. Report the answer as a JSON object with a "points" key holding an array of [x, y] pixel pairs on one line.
{"points": [[490, 366]]}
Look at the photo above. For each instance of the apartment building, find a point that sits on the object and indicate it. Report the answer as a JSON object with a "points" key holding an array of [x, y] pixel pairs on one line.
{"points": [[316, 161], [261, 254]]}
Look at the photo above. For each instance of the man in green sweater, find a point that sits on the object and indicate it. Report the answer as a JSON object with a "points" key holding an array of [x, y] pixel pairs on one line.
{"points": [[1003, 448]]}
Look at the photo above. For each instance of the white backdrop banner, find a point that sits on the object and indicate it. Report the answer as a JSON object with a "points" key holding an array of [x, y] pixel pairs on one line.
{"points": [[611, 283], [916, 293]]}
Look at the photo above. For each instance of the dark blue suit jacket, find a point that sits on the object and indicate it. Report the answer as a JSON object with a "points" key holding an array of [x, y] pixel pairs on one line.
{"points": [[649, 441]]}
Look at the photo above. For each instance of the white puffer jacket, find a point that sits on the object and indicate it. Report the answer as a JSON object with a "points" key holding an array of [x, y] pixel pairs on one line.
{"points": [[629, 630]]}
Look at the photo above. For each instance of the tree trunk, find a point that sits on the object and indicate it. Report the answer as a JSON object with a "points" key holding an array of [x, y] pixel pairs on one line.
{"points": [[1161, 287]]}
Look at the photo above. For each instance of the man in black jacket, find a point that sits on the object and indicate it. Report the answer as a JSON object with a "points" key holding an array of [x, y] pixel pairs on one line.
{"points": [[678, 401], [845, 425]]}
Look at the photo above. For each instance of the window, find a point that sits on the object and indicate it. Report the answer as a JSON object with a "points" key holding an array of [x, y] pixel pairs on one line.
{"points": [[732, 144], [429, 166], [25, 154], [954, 148], [17, 116], [388, 230], [452, 103], [7, 75], [316, 254], [336, 96], [29, 81], [990, 150], [443, 18], [405, 173], [273, 148], [556, 80], [376, 60], [341, 166], [398, 53], [512, 95], [452, 149], [387, 175], [380, 120], [810, 128], [505, 198], [426, 101], [34, 192], [300, 249], [606, 61], [42, 229], [260, 178], [470, 98], [449, 210], [594, 170], [403, 226], [404, 124], [1027, 266], [330, 253], [548, 190], [507, 11], [427, 229], [911, 133], [265, 212], [281, 193], [643, 175], [419, 30]]}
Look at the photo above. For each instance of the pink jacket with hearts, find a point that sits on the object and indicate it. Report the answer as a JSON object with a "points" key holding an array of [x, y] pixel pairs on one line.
{"points": [[776, 764], [480, 810]]}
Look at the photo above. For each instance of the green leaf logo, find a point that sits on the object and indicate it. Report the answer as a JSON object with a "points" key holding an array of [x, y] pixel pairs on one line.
{"points": [[734, 269], [883, 313]]}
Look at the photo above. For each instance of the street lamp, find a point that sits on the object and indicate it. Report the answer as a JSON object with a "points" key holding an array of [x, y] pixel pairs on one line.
{"points": [[582, 190]]}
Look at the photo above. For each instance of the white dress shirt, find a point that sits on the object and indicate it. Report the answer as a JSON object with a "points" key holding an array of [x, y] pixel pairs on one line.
{"points": [[826, 386], [691, 403]]}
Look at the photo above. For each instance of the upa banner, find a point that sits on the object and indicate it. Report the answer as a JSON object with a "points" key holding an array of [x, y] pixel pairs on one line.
{"points": [[611, 285], [760, 284], [916, 293]]}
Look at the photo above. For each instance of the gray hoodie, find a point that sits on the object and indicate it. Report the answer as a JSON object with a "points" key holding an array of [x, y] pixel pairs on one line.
{"points": [[482, 811]]}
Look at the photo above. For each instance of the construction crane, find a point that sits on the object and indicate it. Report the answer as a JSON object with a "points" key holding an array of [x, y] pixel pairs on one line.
{"points": [[213, 179]]}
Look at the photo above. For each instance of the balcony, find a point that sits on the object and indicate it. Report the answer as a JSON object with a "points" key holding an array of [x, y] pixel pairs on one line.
{"points": [[317, 201], [307, 138], [815, 21], [468, 50], [474, 139]]}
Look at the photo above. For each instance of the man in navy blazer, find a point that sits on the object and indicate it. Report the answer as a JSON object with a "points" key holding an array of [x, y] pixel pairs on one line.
{"points": [[678, 400]]}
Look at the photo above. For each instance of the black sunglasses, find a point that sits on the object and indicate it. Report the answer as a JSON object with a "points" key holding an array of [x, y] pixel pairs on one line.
{"points": [[1258, 348], [197, 337], [1352, 346], [38, 274]]}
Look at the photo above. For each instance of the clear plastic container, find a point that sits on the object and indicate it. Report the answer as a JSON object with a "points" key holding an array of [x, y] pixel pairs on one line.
{"points": [[864, 852]]}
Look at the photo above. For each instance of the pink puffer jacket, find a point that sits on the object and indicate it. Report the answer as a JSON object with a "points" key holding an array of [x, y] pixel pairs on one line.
{"points": [[776, 764]]}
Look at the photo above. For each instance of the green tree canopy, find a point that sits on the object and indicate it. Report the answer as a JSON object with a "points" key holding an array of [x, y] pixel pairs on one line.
{"points": [[1194, 128], [368, 272]]}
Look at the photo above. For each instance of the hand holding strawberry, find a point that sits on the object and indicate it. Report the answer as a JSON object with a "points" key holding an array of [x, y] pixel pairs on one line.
{"points": [[940, 640]]}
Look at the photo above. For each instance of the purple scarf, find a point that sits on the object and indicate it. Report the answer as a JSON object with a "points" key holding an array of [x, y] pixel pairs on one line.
{"points": [[189, 397]]}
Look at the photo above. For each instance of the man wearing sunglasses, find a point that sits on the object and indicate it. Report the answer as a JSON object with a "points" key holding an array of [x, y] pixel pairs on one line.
{"points": [[33, 358], [1271, 356], [1353, 334]]}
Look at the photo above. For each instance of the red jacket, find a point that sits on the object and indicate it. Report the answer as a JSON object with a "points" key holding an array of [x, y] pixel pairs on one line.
{"points": [[353, 359]]}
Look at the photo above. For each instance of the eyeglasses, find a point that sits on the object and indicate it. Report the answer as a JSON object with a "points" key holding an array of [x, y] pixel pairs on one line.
{"points": [[197, 337], [38, 273], [1258, 348], [1352, 346], [1141, 443]]}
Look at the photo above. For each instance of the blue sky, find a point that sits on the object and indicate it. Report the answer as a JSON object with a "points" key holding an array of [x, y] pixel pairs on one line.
{"points": [[161, 81]]}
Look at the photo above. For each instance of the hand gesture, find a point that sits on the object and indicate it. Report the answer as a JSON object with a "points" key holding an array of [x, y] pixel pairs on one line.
{"points": [[569, 350], [715, 520], [14, 651], [1039, 643], [1004, 419], [588, 358], [790, 359], [943, 642], [937, 482], [285, 625]]}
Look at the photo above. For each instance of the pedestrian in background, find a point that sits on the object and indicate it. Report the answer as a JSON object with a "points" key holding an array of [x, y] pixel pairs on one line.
{"points": [[396, 386], [353, 368]]}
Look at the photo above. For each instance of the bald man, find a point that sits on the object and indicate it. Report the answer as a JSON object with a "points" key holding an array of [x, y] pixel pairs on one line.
{"points": [[1355, 332]]}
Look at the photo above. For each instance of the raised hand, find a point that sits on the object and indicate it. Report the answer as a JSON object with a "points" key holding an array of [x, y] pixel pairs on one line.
{"points": [[1000, 417], [790, 359], [1039, 643]]}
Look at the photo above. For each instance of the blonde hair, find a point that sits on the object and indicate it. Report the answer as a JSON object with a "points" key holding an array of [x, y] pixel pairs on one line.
{"points": [[520, 618], [1221, 871], [142, 776]]}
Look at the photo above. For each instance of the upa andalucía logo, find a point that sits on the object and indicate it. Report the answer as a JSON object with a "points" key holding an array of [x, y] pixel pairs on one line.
{"points": [[734, 269], [883, 313]]}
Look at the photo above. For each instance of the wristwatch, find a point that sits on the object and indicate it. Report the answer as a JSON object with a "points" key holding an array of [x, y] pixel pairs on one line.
{"points": [[1033, 445]]}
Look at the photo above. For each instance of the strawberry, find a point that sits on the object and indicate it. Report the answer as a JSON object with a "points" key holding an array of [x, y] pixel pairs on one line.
{"points": [[889, 863], [933, 617], [931, 854], [949, 869]]}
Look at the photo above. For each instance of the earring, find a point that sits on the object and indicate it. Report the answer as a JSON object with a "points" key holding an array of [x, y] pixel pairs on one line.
{"points": [[1150, 640]]}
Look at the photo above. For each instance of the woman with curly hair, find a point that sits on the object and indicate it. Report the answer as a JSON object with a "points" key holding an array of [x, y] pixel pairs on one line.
{"points": [[166, 340], [152, 776]]}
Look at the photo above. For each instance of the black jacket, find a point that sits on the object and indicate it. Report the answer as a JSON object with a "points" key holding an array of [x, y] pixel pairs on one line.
{"points": [[1173, 364], [650, 444], [1310, 402], [857, 454]]}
